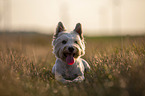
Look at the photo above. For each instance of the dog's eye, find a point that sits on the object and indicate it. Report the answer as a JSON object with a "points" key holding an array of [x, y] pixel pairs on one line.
{"points": [[64, 42], [76, 42]]}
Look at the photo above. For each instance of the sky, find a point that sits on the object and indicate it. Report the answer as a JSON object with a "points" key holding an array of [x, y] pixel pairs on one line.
{"points": [[110, 17]]}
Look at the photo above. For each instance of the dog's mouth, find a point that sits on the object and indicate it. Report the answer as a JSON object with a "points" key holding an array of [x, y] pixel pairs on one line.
{"points": [[69, 58]]}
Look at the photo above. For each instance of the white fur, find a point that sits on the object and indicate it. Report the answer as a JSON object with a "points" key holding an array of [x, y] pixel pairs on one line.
{"points": [[63, 72]]}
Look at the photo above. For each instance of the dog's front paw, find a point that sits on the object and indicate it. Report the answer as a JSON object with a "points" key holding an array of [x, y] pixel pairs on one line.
{"points": [[67, 81], [77, 80]]}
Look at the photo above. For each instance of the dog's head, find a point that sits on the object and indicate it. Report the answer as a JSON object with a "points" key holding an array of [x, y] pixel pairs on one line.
{"points": [[68, 46]]}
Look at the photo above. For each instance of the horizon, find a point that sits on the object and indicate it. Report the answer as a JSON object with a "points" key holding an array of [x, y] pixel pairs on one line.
{"points": [[52, 33]]}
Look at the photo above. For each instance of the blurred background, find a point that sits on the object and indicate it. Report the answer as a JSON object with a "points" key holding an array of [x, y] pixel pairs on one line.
{"points": [[98, 17], [116, 53]]}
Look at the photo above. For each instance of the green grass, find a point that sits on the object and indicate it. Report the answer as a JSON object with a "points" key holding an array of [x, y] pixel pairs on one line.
{"points": [[117, 67]]}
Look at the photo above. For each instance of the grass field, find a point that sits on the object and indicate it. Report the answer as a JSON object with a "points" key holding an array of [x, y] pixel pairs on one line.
{"points": [[117, 67]]}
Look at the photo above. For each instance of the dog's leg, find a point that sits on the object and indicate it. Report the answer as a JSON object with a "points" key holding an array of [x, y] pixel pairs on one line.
{"points": [[58, 74], [53, 70], [79, 78], [86, 65], [60, 78], [58, 70]]}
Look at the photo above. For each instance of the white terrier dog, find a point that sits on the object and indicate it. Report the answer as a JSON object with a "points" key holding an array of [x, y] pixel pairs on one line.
{"points": [[68, 48]]}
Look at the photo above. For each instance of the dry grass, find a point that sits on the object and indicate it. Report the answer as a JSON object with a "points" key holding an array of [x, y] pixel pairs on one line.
{"points": [[26, 60]]}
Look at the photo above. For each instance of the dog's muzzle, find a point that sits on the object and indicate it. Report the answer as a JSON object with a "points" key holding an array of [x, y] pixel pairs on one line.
{"points": [[69, 55]]}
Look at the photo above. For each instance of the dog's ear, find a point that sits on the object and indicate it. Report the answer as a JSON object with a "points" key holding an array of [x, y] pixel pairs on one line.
{"points": [[59, 29], [78, 29]]}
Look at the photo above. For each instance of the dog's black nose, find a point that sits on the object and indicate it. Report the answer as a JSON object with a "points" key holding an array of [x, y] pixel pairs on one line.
{"points": [[71, 49]]}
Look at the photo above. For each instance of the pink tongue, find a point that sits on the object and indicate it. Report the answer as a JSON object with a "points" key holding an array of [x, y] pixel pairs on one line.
{"points": [[70, 59]]}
